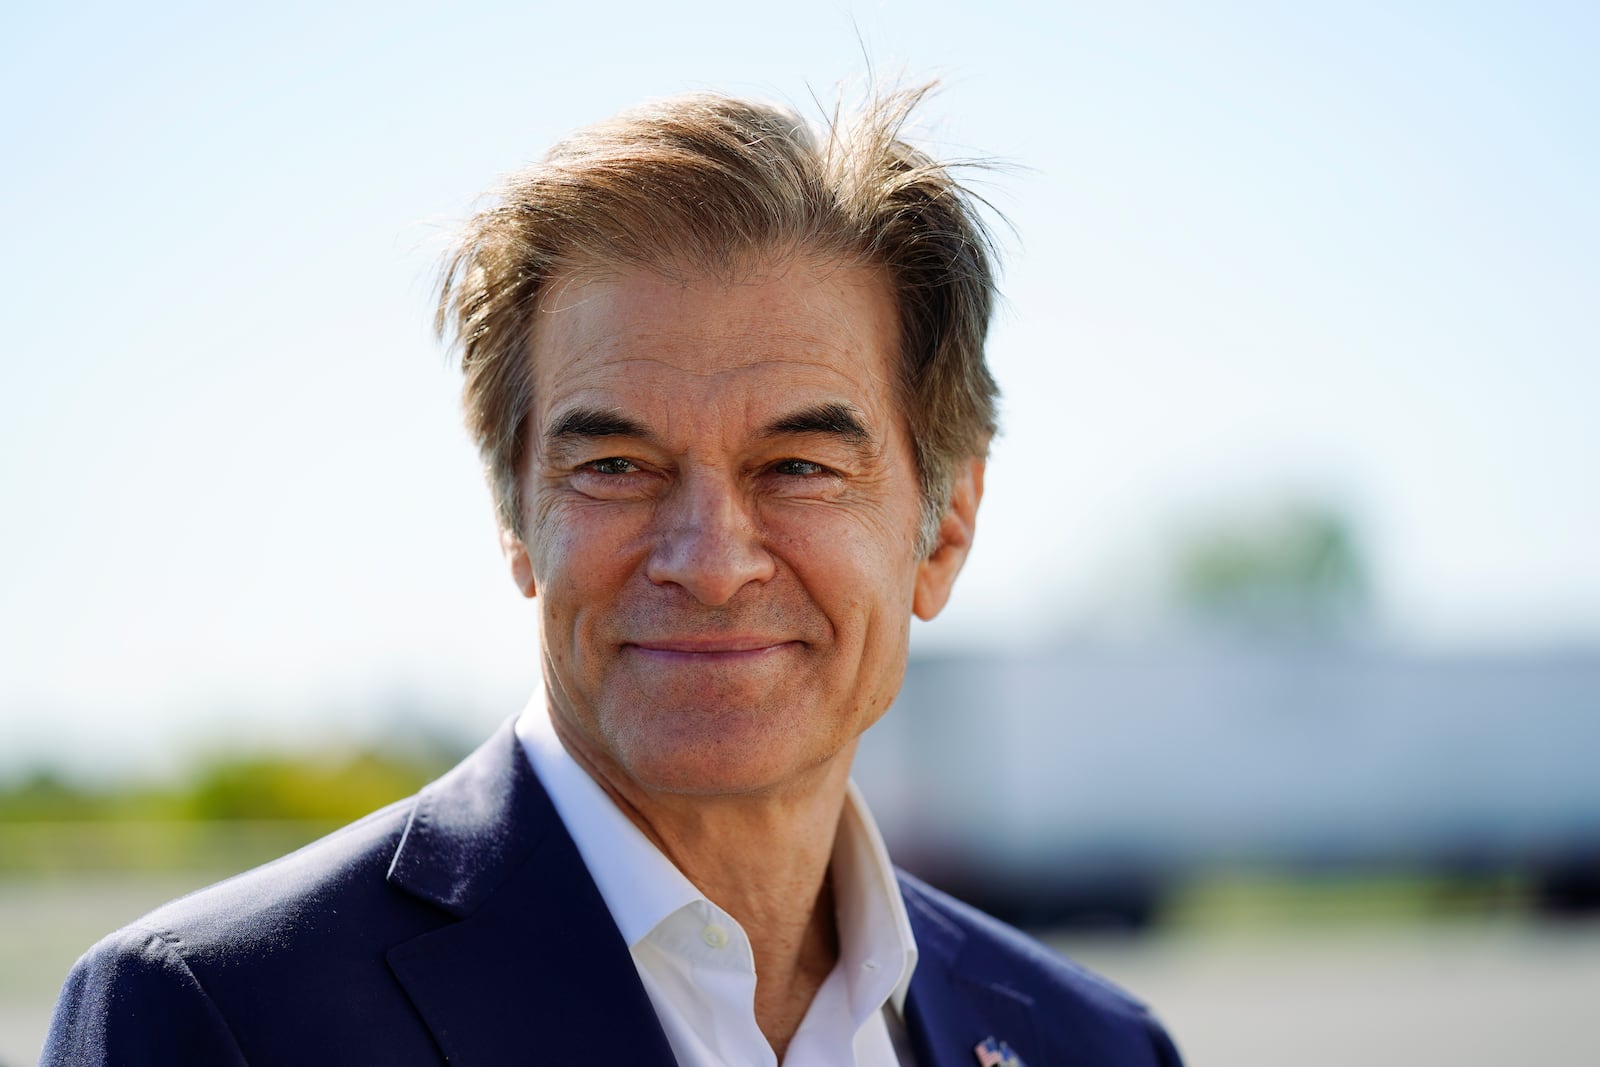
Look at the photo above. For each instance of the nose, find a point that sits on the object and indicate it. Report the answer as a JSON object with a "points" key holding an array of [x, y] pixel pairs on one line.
{"points": [[707, 540]]}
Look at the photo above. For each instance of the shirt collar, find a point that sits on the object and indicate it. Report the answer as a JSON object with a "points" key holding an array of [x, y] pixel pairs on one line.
{"points": [[876, 945], [641, 887]]}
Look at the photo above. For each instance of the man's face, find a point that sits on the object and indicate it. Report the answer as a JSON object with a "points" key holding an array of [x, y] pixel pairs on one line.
{"points": [[721, 519]]}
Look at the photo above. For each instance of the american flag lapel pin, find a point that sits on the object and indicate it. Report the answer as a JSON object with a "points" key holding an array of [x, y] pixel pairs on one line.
{"points": [[992, 1053]]}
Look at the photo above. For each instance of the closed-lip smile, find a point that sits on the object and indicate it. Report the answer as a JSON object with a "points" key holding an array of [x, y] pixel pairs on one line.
{"points": [[733, 645]]}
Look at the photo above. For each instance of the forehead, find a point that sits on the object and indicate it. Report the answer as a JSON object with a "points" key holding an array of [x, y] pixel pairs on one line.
{"points": [[799, 326]]}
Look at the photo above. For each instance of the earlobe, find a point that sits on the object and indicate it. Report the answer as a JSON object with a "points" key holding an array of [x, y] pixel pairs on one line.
{"points": [[516, 554], [936, 575]]}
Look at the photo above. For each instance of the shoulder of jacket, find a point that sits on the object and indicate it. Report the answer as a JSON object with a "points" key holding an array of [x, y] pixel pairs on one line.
{"points": [[282, 894], [989, 946]]}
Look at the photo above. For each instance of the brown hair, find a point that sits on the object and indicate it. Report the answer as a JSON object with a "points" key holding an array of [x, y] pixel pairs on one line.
{"points": [[699, 182]]}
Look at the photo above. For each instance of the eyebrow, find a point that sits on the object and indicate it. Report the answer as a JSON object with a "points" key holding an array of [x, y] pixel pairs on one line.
{"points": [[833, 420], [840, 421], [577, 423]]}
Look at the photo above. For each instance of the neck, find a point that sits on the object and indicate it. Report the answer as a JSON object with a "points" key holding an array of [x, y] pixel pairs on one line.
{"points": [[763, 858]]}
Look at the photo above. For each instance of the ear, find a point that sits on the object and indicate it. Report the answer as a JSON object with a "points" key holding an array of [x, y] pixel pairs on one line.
{"points": [[936, 575], [516, 554]]}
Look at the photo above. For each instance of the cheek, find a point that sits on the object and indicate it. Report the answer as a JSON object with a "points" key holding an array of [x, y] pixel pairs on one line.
{"points": [[576, 581], [864, 585], [573, 547]]}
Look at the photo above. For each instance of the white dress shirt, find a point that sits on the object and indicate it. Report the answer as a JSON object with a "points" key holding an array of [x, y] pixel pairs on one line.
{"points": [[696, 962]]}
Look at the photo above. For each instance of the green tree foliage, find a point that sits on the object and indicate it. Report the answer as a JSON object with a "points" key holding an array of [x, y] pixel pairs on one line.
{"points": [[231, 812], [233, 787], [320, 789], [1292, 570]]}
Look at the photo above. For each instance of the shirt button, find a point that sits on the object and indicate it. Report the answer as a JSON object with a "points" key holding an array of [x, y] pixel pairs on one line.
{"points": [[714, 935]]}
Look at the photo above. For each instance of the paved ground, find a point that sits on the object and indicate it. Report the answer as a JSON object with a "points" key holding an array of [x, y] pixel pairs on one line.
{"points": [[1455, 995]]}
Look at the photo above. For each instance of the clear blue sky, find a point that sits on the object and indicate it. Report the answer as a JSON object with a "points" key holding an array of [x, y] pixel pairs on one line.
{"points": [[1260, 251]]}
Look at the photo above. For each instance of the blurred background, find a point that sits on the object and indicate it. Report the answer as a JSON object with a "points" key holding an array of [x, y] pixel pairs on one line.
{"points": [[1273, 686]]}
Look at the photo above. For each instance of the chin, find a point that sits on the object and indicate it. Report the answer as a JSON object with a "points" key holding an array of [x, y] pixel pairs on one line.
{"points": [[704, 754]]}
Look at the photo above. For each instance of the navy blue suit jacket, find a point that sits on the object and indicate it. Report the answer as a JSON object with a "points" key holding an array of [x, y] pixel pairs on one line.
{"points": [[462, 927]]}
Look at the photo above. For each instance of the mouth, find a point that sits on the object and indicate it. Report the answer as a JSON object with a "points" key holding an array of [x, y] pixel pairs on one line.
{"points": [[708, 649]]}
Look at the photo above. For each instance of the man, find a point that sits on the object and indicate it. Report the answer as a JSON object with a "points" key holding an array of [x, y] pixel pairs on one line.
{"points": [[727, 377]]}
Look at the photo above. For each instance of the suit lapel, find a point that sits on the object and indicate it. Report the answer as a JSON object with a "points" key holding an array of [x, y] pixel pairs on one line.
{"points": [[534, 967], [949, 1010]]}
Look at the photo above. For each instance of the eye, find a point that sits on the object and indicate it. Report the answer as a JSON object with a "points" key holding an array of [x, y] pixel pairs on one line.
{"points": [[798, 468], [611, 465]]}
